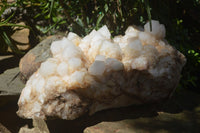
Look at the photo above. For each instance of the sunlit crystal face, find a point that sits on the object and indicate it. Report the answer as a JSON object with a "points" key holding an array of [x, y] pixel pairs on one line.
{"points": [[102, 69]]}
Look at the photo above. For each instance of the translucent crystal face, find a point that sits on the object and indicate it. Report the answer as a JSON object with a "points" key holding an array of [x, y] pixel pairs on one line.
{"points": [[158, 30], [102, 69]]}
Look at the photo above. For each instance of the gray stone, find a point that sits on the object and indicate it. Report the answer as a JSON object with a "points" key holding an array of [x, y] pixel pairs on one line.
{"points": [[10, 83], [3, 129], [162, 123], [39, 127]]}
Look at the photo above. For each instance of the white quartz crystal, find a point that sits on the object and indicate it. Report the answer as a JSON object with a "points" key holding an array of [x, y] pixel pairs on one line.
{"points": [[158, 30], [62, 69], [131, 32], [74, 38], [114, 64], [48, 68], [93, 73], [105, 32], [97, 68]]}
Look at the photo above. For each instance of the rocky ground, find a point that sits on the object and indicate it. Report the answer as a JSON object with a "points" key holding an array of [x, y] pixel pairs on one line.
{"points": [[180, 114]]}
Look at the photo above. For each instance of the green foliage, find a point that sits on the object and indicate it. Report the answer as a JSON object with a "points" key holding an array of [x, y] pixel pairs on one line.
{"points": [[84, 15], [6, 29], [181, 18], [48, 11], [81, 16]]}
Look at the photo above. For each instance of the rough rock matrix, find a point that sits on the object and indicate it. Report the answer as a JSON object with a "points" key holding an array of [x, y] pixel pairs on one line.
{"points": [[96, 72]]}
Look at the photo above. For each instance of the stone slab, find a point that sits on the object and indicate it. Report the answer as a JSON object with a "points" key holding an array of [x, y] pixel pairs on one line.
{"points": [[10, 83], [184, 122], [3, 129]]}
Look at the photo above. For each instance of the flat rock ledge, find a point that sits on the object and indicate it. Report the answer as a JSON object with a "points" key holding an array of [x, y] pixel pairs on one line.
{"points": [[10, 83]]}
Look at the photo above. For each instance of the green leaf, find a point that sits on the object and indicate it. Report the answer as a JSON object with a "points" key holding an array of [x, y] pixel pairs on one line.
{"points": [[106, 7], [50, 28], [99, 20], [46, 6], [55, 19], [36, 16], [80, 22], [15, 25], [148, 13], [5, 21], [47, 16], [63, 22], [51, 8], [10, 44], [88, 20]]}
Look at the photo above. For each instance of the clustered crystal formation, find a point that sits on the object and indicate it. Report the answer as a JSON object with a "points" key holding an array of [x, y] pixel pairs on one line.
{"points": [[96, 72]]}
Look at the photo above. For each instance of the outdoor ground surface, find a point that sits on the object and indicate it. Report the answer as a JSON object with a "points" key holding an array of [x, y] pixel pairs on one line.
{"points": [[181, 114]]}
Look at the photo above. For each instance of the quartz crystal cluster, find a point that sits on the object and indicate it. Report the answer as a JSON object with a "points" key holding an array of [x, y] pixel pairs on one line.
{"points": [[97, 72]]}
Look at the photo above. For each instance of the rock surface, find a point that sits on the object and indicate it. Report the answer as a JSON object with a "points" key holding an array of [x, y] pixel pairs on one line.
{"points": [[10, 83], [32, 60], [20, 37], [39, 127], [182, 115], [95, 73], [162, 123], [3, 129], [21, 34]]}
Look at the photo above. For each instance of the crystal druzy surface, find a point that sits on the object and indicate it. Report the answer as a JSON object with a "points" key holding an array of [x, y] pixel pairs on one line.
{"points": [[89, 74]]}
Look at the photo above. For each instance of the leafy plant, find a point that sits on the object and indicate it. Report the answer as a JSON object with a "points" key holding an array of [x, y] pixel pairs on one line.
{"points": [[46, 17], [6, 29]]}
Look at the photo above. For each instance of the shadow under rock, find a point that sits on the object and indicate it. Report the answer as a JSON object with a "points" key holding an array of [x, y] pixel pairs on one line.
{"points": [[8, 63], [8, 116], [184, 122], [144, 117], [181, 113], [181, 100], [78, 125]]}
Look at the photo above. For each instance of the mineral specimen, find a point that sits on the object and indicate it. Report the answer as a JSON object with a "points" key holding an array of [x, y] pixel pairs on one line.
{"points": [[32, 60], [89, 74]]}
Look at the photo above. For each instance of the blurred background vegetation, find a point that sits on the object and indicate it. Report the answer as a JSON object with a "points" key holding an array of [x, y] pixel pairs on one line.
{"points": [[46, 17]]}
